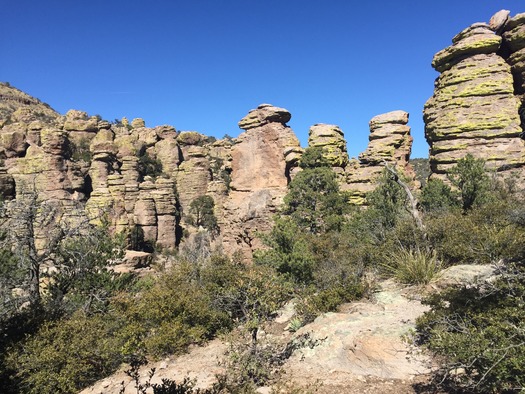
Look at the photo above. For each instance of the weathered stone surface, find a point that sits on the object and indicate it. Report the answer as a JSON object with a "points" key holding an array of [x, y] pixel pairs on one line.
{"points": [[17, 106], [498, 20], [264, 114], [138, 122], [468, 46], [474, 109], [390, 142], [260, 175], [331, 139], [514, 39], [79, 121]]}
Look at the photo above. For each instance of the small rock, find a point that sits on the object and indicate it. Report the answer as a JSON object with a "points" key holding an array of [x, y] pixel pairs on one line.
{"points": [[498, 20]]}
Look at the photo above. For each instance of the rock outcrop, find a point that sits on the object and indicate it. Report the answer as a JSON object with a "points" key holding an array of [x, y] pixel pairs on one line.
{"points": [[144, 179], [390, 142], [262, 160], [475, 106]]}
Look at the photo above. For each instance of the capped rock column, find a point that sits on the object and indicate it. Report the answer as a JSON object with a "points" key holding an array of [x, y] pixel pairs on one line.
{"points": [[260, 175], [473, 109], [332, 140], [390, 142]]}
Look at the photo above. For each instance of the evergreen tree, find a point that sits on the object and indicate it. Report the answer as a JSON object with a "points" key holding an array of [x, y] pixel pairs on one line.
{"points": [[314, 201]]}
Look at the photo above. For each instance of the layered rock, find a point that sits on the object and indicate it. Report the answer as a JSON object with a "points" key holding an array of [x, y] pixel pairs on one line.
{"points": [[514, 41], [474, 109], [332, 141], [261, 167], [389, 142]]}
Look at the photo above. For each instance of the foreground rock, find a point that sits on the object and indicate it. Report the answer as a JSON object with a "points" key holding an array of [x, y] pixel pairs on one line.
{"points": [[364, 340]]}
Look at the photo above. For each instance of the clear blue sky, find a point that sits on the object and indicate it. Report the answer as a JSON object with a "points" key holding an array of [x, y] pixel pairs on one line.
{"points": [[203, 64]]}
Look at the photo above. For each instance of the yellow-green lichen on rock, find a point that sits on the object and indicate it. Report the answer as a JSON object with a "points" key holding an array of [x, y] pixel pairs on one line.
{"points": [[390, 142], [475, 109], [331, 139]]}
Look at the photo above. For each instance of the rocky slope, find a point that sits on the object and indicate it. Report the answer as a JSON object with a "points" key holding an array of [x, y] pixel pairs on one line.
{"points": [[477, 97], [359, 349], [365, 347], [145, 178]]}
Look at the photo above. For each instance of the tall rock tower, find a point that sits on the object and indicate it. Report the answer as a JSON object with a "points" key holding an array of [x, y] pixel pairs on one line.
{"points": [[477, 97]]}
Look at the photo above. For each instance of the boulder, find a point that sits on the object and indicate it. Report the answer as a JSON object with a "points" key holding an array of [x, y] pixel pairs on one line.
{"points": [[264, 114]]}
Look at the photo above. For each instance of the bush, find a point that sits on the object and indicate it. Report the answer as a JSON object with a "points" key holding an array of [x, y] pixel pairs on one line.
{"points": [[436, 196], [483, 235], [149, 166], [67, 355], [173, 313], [470, 178], [478, 333], [387, 201], [289, 252], [202, 214], [314, 201]]}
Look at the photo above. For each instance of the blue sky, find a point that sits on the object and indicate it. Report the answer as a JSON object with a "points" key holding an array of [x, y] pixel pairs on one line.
{"points": [[203, 64]]}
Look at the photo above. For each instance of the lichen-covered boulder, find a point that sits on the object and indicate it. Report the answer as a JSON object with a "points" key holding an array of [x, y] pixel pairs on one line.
{"points": [[473, 41]]}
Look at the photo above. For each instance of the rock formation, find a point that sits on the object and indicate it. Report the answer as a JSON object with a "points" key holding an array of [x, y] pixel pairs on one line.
{"points": [[262, 161], [390, 142], [475, 106], [144, 179]]}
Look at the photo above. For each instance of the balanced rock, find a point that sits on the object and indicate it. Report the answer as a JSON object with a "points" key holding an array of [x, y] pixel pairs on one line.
{"points": [[264, 114], [498, 20]]}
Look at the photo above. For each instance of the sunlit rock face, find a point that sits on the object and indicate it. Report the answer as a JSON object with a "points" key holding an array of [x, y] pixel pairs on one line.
{"points": [[477, 98], [262, 160], [389, 142]]}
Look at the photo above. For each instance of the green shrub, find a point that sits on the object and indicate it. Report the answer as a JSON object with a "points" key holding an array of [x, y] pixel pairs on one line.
{"points": [[173, 313], [80, 151], [485, 234], [149, 166], [469, 176], [436, 196], [201, 213], [314, 201], [67, 355], [289, 252], [478, 334], [387, 201], [313, 302]]}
